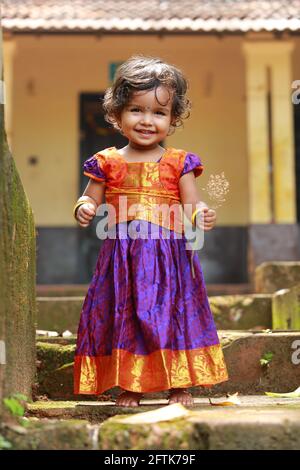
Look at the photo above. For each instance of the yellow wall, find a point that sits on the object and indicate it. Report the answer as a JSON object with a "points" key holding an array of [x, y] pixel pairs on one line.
{"points": [[49, 73], [296, 63]]}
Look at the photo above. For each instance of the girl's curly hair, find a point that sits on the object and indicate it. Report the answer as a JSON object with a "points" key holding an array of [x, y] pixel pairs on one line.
{"points": [[146, 73]]}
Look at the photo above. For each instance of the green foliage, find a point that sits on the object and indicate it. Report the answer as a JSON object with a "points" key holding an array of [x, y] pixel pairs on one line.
{"points": [[15, 404], [266, 359], [4, 444]]}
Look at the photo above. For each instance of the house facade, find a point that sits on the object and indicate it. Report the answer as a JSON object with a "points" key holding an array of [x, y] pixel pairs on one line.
{"points": [[243, 67]]}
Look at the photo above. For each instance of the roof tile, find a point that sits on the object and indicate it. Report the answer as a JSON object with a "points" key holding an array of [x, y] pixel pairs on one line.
{"points": [[150, 15]]}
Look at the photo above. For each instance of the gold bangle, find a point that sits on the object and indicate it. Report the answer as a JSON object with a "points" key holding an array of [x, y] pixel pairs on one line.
{"points": [[78, 204], [194, 215]]}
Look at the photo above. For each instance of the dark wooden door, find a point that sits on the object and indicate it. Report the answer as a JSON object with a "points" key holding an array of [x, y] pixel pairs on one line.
{"points": [[95, 134]]}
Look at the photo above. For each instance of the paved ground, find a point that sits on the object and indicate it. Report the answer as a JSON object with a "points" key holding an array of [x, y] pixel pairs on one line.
{"points": [[260, 401], [258, 423]]}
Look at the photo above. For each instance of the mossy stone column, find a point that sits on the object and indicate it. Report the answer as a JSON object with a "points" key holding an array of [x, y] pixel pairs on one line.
{"points": [[17, 274]]}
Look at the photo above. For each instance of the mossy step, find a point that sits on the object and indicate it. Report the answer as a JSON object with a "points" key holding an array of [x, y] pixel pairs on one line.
{"points": [[236, 312], [272, 276], [259, 422], [98, 411], [242, 312], [49, 435], [70, 290], [243, 352], [94, 411], [211, 429]]}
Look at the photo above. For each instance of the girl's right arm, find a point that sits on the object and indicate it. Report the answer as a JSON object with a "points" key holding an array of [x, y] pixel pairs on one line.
{"points": [[93, 194]]}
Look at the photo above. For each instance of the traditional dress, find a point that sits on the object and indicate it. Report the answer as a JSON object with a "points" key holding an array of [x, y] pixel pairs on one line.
{"points": [[146, 324]]}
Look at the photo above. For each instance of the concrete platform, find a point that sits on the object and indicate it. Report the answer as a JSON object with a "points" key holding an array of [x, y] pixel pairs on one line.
{"points": [[100, 410], [258, 423]]}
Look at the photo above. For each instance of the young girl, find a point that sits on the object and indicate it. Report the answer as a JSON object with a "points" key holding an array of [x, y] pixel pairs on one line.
{"points": [[146, 324]]}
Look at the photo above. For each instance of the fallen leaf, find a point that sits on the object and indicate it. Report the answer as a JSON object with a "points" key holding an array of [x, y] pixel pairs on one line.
{"points": [[232, 401], [166, 413], [66, 334], [294, 394], [46, 333]]}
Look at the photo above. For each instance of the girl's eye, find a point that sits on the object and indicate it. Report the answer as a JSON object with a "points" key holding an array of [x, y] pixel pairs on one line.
{"points": [[161, 113], [134, 110]]}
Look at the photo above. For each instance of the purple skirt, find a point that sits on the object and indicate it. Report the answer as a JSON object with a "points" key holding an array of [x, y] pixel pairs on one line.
{"points": [[146, 324]]}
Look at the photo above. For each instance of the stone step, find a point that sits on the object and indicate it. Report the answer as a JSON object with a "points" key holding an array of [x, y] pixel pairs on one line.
{"points": [[59, 313], [236, 312], [61, 290], [243, 351], [258, 423], [242, 312], [75, 290], [42, 434], [272, 276], [98, 411]]}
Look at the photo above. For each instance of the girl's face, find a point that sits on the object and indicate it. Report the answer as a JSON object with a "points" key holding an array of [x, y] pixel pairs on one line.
{"points": [[145, 121]]}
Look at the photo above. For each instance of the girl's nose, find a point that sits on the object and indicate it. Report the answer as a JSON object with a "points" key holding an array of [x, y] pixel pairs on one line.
{"points": [[146, 118]]}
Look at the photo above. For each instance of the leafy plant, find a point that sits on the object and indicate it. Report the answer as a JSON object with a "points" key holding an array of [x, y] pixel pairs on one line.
{"points": [[16, 406], [266, 359], [4, 444]]}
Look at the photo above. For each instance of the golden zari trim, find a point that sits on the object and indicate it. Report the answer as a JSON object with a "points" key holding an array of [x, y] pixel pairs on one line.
{"points": [[137, 373]]}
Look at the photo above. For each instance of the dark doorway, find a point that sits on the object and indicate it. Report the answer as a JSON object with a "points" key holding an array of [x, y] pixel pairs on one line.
{"points": [[297, 154], [95, 134]]}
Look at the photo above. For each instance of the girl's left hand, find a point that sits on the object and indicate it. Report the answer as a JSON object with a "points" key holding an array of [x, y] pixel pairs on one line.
{"points": [[208, 219]]}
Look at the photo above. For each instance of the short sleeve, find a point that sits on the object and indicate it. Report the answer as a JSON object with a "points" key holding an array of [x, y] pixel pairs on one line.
{"points": [[93, 167], [192, 163]]}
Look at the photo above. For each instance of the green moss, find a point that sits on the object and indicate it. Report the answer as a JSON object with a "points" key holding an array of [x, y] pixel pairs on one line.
{"points": [[241, 312], [58, 340], [53, 357], [54, 435], [175, 434], [53, 375], [65, 366], [47, 405]]}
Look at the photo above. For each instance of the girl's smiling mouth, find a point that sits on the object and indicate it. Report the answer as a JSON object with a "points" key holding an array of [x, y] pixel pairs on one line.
{"points": [[145, 131]]}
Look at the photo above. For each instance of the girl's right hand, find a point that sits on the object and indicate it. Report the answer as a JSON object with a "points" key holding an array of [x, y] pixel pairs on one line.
{"points": [[85, 214]]}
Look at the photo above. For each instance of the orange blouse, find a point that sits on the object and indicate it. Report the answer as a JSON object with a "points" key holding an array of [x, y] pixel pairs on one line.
{"points": [[142, 190]]}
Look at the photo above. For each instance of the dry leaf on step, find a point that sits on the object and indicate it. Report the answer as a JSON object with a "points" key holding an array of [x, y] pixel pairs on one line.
{"points": [[232, 400], [294, 394], [166, 413]]}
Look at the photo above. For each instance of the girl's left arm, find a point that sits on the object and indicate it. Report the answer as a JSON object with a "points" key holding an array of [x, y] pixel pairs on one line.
{"points": [[190, 200]]}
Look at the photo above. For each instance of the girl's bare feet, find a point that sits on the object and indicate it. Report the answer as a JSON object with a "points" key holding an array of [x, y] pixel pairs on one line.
{"points": [[181, 395], [127, 398]]}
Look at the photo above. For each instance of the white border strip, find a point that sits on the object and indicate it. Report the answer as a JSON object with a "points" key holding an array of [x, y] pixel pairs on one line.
{"points": [[137, 24]]}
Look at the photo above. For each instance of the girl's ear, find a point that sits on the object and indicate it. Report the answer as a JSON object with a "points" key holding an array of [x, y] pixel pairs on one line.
{"points": [[116, 122], [172, 126], [173, 121], [118, 125]]}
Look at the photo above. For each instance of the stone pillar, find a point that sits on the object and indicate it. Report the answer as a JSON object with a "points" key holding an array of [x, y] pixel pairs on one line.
{"points": [[257, 135], [270, 140], [17, 276], [283, 135]]}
